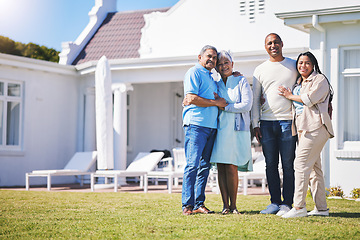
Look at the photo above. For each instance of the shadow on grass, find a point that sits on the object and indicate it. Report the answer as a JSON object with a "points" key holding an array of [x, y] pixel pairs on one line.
{"points": [[250, 212], [241, 212], [345, 215]]}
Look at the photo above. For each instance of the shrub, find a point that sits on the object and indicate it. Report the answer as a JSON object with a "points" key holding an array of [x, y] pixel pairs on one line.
{"points": [[355, 193], [335, 192], [308, 193]]}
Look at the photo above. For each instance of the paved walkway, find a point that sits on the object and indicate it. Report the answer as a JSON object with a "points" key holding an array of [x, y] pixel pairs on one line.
{"points": [[133, 188]]}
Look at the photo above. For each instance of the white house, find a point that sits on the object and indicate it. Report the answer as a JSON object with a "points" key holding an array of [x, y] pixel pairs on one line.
{"points": [[334, 34], [49, 109]]}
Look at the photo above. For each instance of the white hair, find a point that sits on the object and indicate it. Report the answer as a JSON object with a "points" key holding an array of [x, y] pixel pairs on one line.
{"points": [[225, 54]]}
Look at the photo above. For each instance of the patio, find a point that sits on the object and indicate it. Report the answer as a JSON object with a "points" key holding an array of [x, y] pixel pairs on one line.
{"points": [[130, 187]]}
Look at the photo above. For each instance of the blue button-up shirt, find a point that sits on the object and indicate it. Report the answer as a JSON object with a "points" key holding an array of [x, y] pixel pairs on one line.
{"points": [[198, 80]]}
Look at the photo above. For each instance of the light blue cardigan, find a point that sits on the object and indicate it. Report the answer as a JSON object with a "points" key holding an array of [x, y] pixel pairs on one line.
{"points": [[242, 106]]}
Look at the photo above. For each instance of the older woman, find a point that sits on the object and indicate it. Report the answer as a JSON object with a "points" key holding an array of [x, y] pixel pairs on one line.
{"points": [[232, 147], [313, 125]]}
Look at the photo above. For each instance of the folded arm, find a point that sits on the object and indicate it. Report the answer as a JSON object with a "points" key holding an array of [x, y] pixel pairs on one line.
{"points": [[191, 98]]}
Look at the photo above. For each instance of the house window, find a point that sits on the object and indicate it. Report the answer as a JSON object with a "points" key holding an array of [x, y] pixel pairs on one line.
{"points": [[351, 109], [351, 86], [348, 111], [10, 114]]}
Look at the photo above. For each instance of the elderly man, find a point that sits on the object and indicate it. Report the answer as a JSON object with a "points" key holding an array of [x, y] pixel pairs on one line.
{"points": [[275, 118], [200, 123]]}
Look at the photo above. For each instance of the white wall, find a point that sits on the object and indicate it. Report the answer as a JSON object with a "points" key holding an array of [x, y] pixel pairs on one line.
{"points": [[190, 25], [150, 111], [344, 172], [50, 118]]}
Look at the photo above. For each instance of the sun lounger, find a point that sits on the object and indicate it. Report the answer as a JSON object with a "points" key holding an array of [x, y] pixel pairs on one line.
{"points": [[79, 165], [143, 163]]}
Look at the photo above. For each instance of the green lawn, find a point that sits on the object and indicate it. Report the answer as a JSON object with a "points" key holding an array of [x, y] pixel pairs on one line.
{"points": [[74, 215]]}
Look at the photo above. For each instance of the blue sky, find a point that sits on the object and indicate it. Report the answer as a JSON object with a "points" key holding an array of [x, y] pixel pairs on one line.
{"points": [[51, 22]]}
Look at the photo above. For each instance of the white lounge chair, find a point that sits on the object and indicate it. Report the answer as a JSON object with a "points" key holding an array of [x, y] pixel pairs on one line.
{"points": [[213, 180], [169, 175], [258, 173], [179, 164], [176, 172], [79, 165], [143, 163]]}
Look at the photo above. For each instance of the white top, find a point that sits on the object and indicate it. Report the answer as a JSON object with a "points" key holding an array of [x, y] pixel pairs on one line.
{"points": [[268, 76]]}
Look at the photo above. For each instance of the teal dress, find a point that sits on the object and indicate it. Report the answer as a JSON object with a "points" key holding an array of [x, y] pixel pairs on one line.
{"points": [[233, 141]]}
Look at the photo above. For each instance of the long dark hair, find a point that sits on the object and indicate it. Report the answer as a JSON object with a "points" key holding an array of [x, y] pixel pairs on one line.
{"points": [[316, 68], [312, 59]]}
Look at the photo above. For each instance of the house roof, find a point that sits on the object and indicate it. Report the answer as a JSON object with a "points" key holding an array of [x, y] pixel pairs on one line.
{"points": [[118, 37]]}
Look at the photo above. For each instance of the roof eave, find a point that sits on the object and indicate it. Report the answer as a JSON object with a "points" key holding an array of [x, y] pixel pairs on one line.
{"points": [[302, 20], [180, 61], [36, 64]]}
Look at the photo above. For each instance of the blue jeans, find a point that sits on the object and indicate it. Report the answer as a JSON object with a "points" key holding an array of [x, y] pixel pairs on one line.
{"points": [[199, 142], [277, 138]]}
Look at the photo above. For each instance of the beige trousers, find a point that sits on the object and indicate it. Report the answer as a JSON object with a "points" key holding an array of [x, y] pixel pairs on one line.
{"points": [[307, 167]]}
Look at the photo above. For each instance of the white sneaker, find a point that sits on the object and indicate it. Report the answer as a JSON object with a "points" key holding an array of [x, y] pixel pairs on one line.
{"points": [[283, 209], [295, 213], [316, 212]]}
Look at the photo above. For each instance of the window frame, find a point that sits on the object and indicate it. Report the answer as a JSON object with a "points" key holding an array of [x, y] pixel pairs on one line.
{"points": [[5, 98], [346, 149]]}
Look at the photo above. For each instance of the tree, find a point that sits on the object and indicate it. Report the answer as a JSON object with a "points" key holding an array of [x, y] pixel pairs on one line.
{"points": [[30, 50], [8, 46]]}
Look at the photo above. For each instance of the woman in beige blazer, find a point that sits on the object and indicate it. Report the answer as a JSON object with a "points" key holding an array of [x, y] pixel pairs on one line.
{"points": [[313, 125]]}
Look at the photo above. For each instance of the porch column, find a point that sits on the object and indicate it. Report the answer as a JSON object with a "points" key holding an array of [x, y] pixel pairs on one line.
{"points": [[120, 124], [89, 121]]}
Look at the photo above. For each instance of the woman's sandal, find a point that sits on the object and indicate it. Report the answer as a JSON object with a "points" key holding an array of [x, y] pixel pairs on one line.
{"points": [[225, 211], [235, 211]]}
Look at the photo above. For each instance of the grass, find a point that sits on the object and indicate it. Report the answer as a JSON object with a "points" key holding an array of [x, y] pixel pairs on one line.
{"points": [[76, 215]]}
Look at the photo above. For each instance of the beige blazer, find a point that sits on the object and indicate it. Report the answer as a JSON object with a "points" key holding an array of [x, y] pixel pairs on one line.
{"points": [[315, 95]]}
